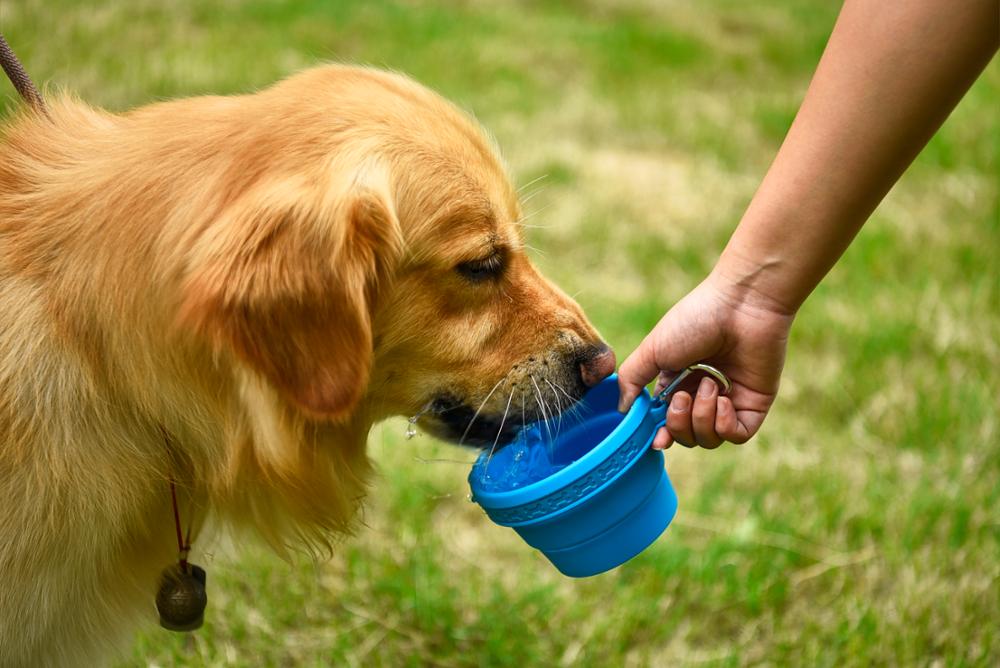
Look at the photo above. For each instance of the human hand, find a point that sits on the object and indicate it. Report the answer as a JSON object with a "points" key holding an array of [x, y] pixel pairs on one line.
{"points": [[716, 323]]}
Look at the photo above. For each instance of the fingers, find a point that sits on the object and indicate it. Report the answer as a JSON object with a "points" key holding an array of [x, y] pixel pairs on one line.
{"points": [[726, 425], [689, 422], [679, 419], [707, 420], [661, 382], [703, 415], [736, 426], [638, 369], [663, 439]]}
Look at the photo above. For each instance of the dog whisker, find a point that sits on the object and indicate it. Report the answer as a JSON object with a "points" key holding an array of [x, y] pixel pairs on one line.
{"points": [[533, 214], [537, 250], [478, 410], [565, 393], [576, 409], [532, 195], [559, 406], [411, 428], [542, 407], [441, 460], [489, 457], [532, 182]]}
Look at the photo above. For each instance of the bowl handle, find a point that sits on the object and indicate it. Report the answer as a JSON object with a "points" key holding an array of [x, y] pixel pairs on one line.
{"points": [[658, 407]]}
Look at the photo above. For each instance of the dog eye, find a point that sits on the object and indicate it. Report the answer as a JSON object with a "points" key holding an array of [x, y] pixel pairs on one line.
{"points": [[481, 270]]}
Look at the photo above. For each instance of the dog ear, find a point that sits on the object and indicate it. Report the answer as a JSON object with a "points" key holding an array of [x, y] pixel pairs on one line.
{"points": [[288, 278]]}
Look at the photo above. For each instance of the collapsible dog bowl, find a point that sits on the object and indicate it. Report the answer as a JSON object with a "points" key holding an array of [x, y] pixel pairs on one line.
{"points": [[603, 495]]}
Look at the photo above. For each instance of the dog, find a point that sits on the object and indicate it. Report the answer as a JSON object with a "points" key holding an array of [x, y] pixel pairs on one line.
{"points": [[224, 294]]}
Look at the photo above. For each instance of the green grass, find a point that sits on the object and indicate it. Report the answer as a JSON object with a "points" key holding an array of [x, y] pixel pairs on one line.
{"points": [[860, 526]]}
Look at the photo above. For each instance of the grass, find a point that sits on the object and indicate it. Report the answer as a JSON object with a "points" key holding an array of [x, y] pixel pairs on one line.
{"points": [[860, 526]]}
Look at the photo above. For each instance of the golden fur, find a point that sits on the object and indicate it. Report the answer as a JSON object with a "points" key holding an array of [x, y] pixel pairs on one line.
{"points": [[229, 292]]}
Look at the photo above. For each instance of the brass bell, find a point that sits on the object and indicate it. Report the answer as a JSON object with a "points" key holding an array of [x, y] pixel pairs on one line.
{"points": [[181, 599]]}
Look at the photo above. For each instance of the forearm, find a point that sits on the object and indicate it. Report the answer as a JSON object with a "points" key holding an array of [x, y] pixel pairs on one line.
{"points": [[890, 75]]}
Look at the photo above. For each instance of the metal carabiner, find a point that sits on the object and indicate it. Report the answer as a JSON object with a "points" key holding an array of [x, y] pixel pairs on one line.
{"points": [[725, 385]]}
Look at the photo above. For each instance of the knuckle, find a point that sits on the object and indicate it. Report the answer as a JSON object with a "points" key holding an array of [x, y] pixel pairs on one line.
{"points": [[736, 437], [709, 441], [703, 410]]}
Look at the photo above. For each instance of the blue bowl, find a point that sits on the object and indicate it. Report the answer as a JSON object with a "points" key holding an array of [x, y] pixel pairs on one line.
{"points": [[605, 495]]}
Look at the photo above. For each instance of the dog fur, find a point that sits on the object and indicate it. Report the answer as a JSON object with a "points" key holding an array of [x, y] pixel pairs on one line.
{"points": [[227, 292]]}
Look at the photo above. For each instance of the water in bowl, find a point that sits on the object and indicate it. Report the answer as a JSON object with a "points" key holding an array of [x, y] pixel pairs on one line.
{"points": [[544, 448]]}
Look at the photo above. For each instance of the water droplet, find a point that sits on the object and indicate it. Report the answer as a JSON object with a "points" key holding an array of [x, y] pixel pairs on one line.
{"points": [[411, 428]]}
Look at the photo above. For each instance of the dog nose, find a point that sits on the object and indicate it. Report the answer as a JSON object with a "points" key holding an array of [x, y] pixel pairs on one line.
{"points": [[596, 364]]}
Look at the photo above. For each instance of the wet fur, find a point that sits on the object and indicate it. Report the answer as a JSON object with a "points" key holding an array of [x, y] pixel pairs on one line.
{"points": [[228, 292]]}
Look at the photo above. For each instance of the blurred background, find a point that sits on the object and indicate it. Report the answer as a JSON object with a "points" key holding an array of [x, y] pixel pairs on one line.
{"points": [[860, 527]]}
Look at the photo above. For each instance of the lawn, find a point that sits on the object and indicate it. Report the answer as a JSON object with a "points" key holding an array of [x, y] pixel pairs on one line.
{"points": [[861, 526]]}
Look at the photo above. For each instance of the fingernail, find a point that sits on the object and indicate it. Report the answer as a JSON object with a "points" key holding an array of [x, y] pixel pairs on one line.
{"points": [[706, 388], [680, 403], [622, 404]]}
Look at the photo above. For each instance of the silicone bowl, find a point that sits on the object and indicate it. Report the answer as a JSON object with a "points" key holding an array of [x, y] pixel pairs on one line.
{"points": [[609, 502]]}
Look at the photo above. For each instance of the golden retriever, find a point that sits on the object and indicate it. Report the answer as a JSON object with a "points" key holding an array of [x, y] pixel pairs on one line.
{"points": [[227, 292]]}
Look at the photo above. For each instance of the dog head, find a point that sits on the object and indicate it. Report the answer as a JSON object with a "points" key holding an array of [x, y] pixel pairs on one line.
{"points": [[370, 260]]}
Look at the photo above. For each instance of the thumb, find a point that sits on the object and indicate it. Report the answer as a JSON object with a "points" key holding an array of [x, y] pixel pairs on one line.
{"points": [[635, 373]]}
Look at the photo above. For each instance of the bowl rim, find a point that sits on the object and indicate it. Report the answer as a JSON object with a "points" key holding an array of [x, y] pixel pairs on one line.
{"points": [[568, 475]]}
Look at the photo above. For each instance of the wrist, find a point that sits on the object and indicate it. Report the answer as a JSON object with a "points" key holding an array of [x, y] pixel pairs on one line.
{"points": [[758, 284]]}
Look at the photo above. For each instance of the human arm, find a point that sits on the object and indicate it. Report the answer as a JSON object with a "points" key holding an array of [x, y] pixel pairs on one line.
{"points": [[891, 73]]}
